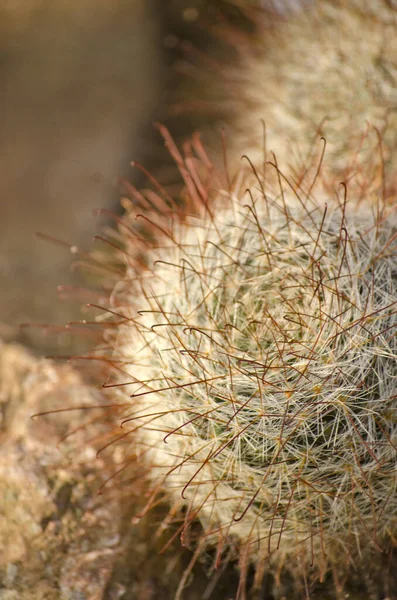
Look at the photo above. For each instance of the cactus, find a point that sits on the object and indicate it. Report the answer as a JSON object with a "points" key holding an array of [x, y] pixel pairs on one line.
{"points": [[253, 337], [325, 68], [258, 362]]}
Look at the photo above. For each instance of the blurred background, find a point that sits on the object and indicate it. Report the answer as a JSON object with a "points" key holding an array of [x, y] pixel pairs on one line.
{"points": [[81, 83]]}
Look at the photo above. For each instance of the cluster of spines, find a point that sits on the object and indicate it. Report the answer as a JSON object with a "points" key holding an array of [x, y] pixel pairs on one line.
{"points": [[341, 499]]}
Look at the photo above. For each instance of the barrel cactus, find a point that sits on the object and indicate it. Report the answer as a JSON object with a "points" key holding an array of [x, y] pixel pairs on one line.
{"points": [[257, 365]]}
